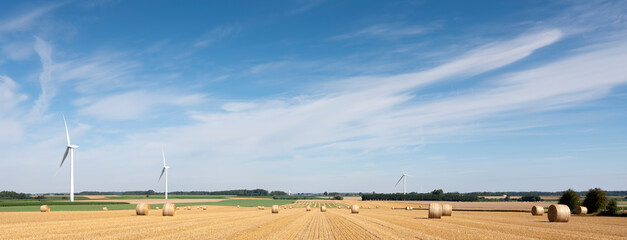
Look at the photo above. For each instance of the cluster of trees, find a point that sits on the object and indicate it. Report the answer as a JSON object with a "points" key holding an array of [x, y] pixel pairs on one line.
{"points": [[435, 195], [537, 193], [595, 200], [530, 198], [238, 192], [13, 195], [278, 193]]}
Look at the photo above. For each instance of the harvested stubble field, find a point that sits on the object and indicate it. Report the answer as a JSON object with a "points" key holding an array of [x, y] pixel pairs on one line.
{"points": [[222, 222]]}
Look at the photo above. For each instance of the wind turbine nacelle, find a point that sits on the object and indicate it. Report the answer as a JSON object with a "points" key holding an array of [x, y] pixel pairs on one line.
{"points": [[73, 146]]}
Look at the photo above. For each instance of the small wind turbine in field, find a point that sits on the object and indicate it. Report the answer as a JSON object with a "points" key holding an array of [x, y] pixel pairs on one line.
{"points": [[404, 178], [164, 170], [69, 149]]}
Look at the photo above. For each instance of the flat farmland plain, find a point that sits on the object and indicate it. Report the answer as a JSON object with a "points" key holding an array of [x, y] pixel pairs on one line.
{"points": [[224, 222]]}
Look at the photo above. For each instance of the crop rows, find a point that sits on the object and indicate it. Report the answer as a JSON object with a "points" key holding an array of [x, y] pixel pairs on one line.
{"points": [[223, 222]]}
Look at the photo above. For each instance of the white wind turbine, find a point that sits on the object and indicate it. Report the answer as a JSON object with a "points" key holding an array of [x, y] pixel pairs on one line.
{"points": [[404, 178], [70, 148], [165, 170]]}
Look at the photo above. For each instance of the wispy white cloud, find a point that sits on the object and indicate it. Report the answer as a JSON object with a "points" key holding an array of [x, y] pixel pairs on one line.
{"points": [[10, 97], [385, 31], [238, 106], [98, 73], [48, 91], [305, 5], [26, 21], [216, 34], [137, 104], [373, 116], [11, 129], [18, 50]]}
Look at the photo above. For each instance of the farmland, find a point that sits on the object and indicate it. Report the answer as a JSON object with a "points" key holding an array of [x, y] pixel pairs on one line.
{"points": [[114, 203], [225, 222]]}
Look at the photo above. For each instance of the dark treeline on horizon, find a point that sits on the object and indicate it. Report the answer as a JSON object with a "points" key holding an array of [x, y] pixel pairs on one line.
{"points": [[434, 196], [581, 193]]}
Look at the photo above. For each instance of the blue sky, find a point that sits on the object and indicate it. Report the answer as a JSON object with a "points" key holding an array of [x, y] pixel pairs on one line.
{"points": [[313, 95]]}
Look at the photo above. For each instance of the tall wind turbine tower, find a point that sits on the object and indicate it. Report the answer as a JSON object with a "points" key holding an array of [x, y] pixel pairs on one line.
{"points": [[164, 170], [404, 178], [69, 149]]}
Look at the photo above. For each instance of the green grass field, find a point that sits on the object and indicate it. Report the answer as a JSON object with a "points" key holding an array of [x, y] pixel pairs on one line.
{"points": [[53, 203], [56, 208], [233, 196], [21, 206], [169, 197]]}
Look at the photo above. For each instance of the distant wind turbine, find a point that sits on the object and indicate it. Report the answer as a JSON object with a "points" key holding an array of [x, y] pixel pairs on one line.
{"points": [[165, 170], [404, 178], [70, 149]]}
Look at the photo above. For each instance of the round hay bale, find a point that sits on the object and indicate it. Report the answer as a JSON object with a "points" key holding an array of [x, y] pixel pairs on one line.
{"points": [[323, 208], [447, 209], [105, 209], [408, 208], [275, 208], [204, 208], [339, 207], [581, 210], [308, 208], [368, 207], [559, 213], [376, 206], [44, 208], [290, 207], [537, 211], [392, 207], [435, 210], [355, 208], [142, 209], [189, 207], [169, 209]]}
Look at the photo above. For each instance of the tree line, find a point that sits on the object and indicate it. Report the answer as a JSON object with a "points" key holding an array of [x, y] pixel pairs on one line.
{"points": [[435, 195], [538, 193], [13, 195]]}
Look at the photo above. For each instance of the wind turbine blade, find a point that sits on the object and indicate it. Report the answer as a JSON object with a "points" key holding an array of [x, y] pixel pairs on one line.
{"points": [[162, 171], [67, 134], [399, 180], [163, 153], [67, 150]]}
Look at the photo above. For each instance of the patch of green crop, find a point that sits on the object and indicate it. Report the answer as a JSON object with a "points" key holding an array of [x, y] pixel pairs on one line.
{"points": [[37, 203], [169, 197]]}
